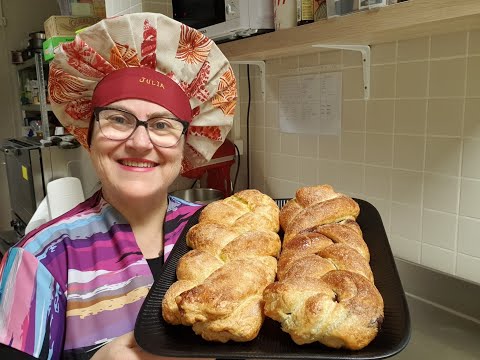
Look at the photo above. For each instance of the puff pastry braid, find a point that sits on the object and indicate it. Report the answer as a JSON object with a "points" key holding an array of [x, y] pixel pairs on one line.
{"points": [[220, 282], [325, 290]]}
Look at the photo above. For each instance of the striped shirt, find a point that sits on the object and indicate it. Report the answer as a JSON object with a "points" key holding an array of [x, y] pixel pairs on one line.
{"points": [[78, 281]]}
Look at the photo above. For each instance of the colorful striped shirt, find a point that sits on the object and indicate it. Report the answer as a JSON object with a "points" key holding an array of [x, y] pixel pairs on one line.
{"points": [[78, 281]]}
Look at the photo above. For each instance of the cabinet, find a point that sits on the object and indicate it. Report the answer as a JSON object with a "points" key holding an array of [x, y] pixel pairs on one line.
{"points": [[32, 75]]}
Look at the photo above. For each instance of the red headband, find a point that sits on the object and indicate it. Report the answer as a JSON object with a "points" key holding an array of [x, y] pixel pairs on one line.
{"points": [[146, 84]]}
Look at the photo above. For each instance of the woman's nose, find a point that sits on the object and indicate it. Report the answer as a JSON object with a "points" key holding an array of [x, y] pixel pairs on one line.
{"points": [[140, 139]]}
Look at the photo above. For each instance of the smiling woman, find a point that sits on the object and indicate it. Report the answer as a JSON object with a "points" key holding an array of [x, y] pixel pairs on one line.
{"points": [[147, 106]]}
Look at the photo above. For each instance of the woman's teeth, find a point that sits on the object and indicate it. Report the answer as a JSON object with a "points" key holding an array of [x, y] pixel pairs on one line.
{"points": [[137, 164]]}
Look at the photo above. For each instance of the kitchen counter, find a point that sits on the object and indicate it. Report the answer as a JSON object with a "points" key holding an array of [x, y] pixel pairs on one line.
{"points": [[439, 334], [444, 314]]}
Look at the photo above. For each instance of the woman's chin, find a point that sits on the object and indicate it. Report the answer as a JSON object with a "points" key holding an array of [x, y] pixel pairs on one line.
{"points": [[137, 191]]}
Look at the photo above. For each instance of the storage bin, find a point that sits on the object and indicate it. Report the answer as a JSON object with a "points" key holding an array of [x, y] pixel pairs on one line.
{"points": [[67, 25]]}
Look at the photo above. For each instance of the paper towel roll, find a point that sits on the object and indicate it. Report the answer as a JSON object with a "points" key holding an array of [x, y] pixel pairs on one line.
{"points": [[40, 216], [63, 195]]}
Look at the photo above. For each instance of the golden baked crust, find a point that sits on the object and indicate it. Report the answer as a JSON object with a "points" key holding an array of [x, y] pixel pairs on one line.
{"points": [[342, 309], [325, 290], [220, 284], [314, 206]]}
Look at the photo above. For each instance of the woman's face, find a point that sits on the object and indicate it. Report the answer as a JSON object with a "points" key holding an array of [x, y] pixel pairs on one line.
{"points": [[135, 168]]}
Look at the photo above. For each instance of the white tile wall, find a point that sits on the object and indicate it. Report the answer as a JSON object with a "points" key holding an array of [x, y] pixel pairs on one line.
{"points": [[407, 187], [438, 258], [471, 126], [469, 198], [469, 236], [408, 152], [452, 44], [440, 192], [474, 43], [467, 267], [412, 149], [406, 249], [439, 229], [440, 113], [380, 116]]}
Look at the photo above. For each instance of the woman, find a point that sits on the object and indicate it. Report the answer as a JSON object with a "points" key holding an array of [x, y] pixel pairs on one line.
{"points": [[147, 105]]}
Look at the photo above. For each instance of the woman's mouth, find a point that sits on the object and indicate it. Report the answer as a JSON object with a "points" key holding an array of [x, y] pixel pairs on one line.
{"points": [[136, 165]]}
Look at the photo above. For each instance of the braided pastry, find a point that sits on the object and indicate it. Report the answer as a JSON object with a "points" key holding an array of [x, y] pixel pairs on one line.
{"points": [[221, 281], [325, 290]]}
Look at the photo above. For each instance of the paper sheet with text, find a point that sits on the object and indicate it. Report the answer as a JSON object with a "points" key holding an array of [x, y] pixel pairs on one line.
{"points": [[311, 104]]}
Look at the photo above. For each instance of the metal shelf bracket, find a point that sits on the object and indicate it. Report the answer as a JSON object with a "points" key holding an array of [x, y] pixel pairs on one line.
{"points": [[261, 65], [42, 96], [366, 60]]}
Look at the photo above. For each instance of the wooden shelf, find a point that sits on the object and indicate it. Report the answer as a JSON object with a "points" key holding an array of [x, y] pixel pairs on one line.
{"points": [[402, 21]]}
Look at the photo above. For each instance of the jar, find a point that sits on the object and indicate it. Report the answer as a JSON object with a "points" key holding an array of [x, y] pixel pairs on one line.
{"points": [[304, 12]]}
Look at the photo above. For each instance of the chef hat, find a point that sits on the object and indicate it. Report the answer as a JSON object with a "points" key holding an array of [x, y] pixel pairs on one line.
{"points": [[151, 57]]}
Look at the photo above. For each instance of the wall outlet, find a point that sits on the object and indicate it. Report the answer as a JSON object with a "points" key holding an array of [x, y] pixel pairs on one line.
{"points": [[239, 143]]}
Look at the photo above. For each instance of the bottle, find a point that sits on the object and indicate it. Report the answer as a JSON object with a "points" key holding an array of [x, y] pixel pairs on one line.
{"points": [[304, 12]]}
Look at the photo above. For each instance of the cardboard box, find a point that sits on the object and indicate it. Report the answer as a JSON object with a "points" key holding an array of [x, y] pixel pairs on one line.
{"points": [[67, 25], [52, 43]]}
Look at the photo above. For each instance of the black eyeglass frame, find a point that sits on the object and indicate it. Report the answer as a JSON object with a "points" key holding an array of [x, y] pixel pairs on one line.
{"points": [[144, 123]]}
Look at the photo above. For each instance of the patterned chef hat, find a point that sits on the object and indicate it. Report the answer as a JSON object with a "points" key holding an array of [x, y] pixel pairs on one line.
{"points": [[151, 57]]}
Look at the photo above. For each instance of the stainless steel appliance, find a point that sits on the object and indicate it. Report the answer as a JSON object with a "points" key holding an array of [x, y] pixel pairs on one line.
{"points": [[26, 183], [30, 166]]}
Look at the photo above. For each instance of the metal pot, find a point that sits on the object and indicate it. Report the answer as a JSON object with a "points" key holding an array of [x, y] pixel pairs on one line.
{"points": [[36, 40], [37, 35], [36, 44], [17, 57], [199, 196]]}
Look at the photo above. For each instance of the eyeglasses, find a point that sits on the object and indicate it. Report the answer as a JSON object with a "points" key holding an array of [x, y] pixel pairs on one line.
{"points": [[119, 125]]}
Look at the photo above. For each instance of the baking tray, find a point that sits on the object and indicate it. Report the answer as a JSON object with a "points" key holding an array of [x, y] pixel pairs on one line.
{"points": [[154, 335]]}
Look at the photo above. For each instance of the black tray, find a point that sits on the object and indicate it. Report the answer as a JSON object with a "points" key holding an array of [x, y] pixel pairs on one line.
{"points": [[154, 335]]}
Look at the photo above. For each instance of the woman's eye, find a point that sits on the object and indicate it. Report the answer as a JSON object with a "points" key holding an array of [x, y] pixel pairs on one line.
{"points": [[118, 119], [159, 125]]}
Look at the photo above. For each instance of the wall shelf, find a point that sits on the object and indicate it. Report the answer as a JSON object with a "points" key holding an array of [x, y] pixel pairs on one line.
{"points": [[26, 64], [402, 21]]}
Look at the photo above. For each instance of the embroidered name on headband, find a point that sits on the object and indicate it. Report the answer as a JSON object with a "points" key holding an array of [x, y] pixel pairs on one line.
{"points": [[145, 84], [152, 82]]}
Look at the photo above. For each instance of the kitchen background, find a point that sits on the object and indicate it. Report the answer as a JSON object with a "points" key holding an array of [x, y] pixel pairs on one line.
{"points": [[412, 149]]}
